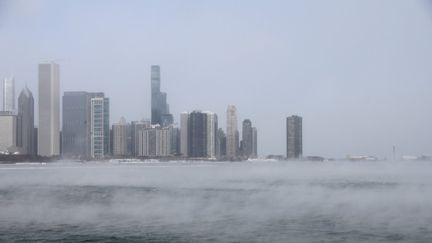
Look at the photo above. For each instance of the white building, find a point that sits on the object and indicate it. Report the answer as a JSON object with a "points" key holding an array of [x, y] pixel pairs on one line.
{"points": [[49, 110], [97, 125], [8, 129], [9, 94], [155, 141]]}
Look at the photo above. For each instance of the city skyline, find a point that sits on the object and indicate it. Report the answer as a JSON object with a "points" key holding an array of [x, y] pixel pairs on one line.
{"points": [[353, 85]]}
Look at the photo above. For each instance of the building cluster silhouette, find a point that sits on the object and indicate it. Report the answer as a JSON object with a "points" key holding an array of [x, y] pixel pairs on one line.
{"points": [[86, 131]]}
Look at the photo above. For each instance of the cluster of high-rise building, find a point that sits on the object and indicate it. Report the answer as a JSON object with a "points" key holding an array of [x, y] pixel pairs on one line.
{"points": [[86, 131]]}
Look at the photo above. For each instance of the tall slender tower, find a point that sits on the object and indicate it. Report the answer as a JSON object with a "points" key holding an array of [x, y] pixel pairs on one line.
{"points": [[9, 94], [49, 110], [212, 127], [232, 132], [184, 144], [159, 107], [25, 122], [294, 137]]}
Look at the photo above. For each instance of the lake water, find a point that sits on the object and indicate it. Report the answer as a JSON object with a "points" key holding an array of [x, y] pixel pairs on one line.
{"points": [[217, 202]]}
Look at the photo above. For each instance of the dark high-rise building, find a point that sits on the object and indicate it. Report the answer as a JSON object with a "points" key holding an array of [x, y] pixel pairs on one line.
{"points": [[76, 124], [247, 139], [197, 134], [25, 123], [255, 142], [294, 137], [159, 107], [85, 131]]}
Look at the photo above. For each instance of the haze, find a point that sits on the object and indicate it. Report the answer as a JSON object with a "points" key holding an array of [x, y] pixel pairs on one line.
{"points": [[357, 71], [218, 202]]}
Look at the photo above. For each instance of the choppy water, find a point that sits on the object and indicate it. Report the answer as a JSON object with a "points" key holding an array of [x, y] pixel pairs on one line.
{"points": [[217, 202]]}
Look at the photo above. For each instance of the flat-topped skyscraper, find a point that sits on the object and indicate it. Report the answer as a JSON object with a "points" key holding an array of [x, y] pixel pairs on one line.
{"points": [[159, 107], [294, 137], [9, 94], [49, 110]]}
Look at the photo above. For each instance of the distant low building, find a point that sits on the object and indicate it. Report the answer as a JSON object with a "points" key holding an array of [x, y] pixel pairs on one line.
{"points": [[120, 138], [155, 141], [8, 131]]}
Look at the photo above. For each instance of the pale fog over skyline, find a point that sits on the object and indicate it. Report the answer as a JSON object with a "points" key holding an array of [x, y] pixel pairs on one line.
{"points": [[358, 72]]}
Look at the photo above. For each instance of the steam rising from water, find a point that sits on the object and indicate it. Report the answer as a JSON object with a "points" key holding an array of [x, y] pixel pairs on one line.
{"points": [[226, 202]]}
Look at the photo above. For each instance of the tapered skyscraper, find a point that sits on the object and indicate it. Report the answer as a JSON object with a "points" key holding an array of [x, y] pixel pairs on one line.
{"points": [[49, 110], [159, 107], [232, 135], [9, 94], [25, 123], [294, 137]]}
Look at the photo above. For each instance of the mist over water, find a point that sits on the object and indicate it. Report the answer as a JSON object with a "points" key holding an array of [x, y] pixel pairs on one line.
{"points": [[220, 202]]}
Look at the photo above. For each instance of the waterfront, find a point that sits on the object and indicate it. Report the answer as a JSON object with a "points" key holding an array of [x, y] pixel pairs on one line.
{"points": [[217, 202]]}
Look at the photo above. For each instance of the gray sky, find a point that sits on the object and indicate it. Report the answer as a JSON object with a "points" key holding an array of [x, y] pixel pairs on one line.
{"points": [[359, 72]]}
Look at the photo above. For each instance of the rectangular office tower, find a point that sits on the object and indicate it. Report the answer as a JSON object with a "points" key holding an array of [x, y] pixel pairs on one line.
{"points": [[49, 110], [76, 124], [294, 137], [77, 136]]}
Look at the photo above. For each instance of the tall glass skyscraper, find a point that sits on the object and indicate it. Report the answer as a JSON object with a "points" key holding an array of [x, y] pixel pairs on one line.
{"points": [[159, 107]]}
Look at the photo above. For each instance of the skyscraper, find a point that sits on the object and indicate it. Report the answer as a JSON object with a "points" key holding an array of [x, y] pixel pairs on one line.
{"points": [[106, 122], [247, 139], [184, 144], [294, 137], [197, 134], [232, 132], [99, 134], [25, 122], [212, 127], [76, 124], [120, 137], [49, 110], [221, 144], [159, 107], [255, 142], [9, 94]]}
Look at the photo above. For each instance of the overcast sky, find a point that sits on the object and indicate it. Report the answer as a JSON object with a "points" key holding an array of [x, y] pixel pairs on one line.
{"points": [[358, 72]]}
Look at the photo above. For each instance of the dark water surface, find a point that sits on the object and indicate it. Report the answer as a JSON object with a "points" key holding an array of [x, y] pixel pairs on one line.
{"points": [[217, 202]]}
